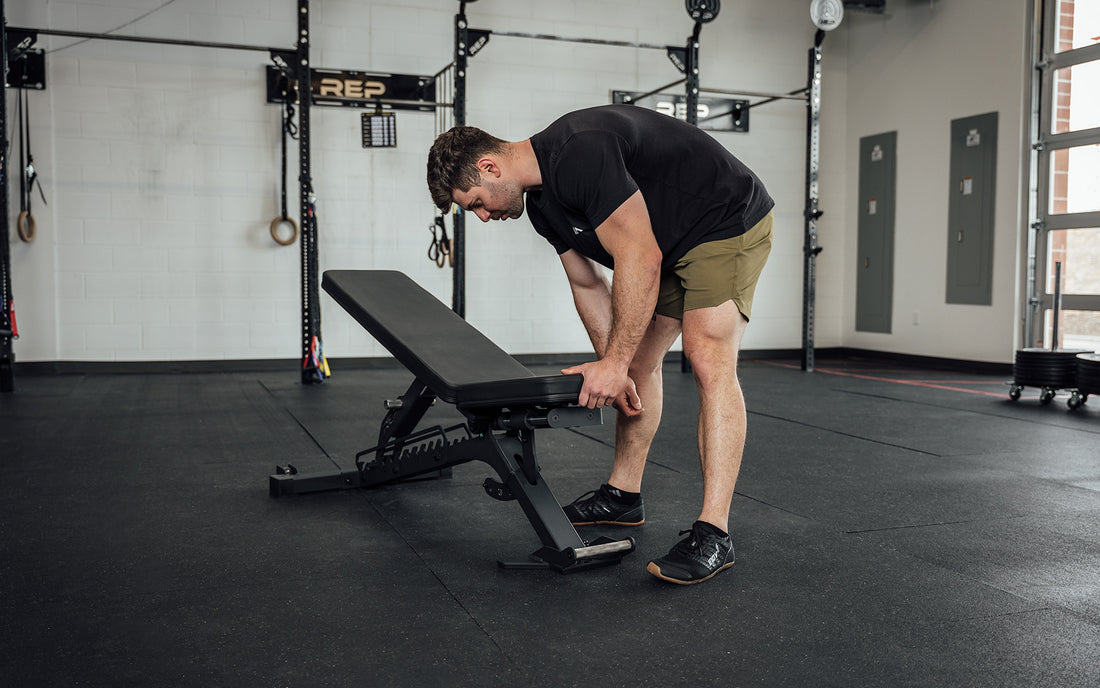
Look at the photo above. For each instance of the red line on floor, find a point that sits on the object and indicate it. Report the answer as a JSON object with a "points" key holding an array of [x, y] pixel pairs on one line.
{"points": [[964, 382], [912, 383]]}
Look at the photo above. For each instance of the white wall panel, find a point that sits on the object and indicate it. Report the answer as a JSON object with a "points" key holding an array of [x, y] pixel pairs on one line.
{"points": [[914, 70]]}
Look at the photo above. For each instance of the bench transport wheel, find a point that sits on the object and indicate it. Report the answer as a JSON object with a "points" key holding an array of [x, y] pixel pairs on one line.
{"points": [[1047, 396], [1014, 392]]}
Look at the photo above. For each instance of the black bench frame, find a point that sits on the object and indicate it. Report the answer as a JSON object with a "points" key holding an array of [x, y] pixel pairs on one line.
{"points": [[501, 418]]}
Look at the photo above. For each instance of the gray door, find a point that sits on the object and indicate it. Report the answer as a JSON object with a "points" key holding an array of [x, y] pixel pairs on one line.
{"points": [[875, 280], [970, 210]]}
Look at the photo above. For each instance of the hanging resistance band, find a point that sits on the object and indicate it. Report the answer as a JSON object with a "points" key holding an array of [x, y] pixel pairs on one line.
{"points": [[288, 129], [317, 360], [439, 252], [8, 327]]}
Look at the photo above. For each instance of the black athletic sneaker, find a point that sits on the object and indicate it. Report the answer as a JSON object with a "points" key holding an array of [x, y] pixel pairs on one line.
{"points": [[605, 506], [696, 558]]}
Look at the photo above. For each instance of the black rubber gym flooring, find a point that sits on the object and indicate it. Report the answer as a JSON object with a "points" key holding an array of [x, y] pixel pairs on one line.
{"points": [[894, 527]]}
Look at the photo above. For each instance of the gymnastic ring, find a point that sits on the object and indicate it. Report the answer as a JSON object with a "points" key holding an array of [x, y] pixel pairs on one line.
{"points": [[26, 226], [275, 231]]}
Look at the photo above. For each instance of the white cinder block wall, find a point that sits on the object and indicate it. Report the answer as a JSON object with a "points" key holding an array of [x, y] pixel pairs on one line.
{"points": [[161, 166]]}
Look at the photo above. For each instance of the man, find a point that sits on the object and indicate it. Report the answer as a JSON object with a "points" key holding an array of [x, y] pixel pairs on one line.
{"points": [[686, 228]]}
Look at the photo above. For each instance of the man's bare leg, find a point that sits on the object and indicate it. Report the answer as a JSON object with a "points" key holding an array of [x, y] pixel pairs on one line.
{"points": [[633, 436], [712, 339]]}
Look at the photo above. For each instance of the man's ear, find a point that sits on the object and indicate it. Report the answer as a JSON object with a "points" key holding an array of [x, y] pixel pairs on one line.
{"points": [[488, 167]]}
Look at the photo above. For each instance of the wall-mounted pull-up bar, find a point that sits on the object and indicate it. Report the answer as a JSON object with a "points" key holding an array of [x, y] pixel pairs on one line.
{"points": [[592, 41], [797, 94], [793, 95], [144, 39], [631, 98]]}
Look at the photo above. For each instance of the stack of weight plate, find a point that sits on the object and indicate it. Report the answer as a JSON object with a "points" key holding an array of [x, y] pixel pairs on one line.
{"points": [[1048, 369], [1088, 379]]}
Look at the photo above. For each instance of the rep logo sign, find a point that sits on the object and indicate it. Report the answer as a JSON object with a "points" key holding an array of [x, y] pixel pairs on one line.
{"points": [[715, 114]]}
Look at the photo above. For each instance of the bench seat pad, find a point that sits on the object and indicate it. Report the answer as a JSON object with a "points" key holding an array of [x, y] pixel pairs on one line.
{"points": [[456, 361]]}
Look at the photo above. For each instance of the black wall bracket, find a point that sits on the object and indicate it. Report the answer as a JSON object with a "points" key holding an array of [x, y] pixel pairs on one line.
{"points": [[26, 65]]}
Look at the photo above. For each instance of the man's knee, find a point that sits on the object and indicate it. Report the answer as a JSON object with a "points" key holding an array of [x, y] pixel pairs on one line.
{"points": [[712, 358], [712, 346]]}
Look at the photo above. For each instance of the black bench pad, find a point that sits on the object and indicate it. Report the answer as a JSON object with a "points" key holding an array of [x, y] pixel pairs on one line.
{"points": [[458, 363]]}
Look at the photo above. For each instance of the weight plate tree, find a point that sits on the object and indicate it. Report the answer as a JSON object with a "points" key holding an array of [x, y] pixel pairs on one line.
{"points": [[1050, 370]]}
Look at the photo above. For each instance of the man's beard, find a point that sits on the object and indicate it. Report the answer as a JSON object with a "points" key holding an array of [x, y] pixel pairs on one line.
{"points": [[512, 192]]}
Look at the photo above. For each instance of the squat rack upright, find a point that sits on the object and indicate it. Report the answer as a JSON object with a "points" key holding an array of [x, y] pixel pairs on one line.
{"points": [[296, 62], [7, 312]]}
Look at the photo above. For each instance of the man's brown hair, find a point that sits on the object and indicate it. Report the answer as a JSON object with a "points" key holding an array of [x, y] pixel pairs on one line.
{"points": [[452, 161]]}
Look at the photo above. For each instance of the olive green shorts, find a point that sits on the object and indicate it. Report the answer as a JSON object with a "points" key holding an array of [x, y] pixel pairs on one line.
{"points": [[715, 272]]}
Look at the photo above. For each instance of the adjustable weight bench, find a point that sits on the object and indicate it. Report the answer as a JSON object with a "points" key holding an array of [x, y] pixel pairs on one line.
{"points": [[503, 402]]}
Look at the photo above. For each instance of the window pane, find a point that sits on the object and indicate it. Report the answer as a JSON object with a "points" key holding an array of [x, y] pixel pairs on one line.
{"points": [[1078, 23], [1079, 252], [1077, 98], [1075, 180], [1078, 330]]}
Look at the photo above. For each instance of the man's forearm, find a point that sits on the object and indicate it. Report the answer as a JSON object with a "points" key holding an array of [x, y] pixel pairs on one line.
{"points": [[594, 306], [633, 298]]}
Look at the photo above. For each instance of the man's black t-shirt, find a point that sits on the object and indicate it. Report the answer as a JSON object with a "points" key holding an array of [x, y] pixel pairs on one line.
{"points": [[593, 160]]}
